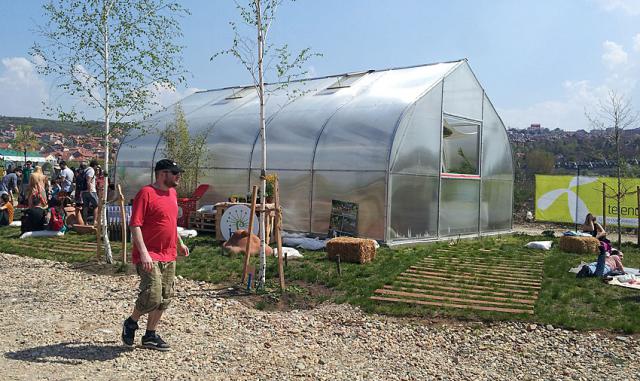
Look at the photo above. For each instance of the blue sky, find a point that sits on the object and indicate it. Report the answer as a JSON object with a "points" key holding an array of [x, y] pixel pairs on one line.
{"points": [[540, 61]]}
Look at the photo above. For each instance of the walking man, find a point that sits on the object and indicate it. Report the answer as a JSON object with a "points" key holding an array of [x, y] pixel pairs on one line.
{"points": [[154, 231]]}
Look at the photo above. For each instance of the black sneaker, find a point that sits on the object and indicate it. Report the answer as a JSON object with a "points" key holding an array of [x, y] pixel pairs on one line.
{"points": [[129, 331], [154, 341]]}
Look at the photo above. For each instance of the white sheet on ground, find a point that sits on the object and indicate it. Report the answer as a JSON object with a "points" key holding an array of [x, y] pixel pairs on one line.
{"points": [[289, 252], [41, 233], [539, 245], [301, 241], [187, 233]]}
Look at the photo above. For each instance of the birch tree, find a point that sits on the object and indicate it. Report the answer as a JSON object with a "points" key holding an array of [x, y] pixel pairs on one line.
{"points": [[110, 55], [613, 115], [251, 48]]}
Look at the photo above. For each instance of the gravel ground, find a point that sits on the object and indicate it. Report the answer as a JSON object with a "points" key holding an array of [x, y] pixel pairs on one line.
{"points": [[59, 323]]}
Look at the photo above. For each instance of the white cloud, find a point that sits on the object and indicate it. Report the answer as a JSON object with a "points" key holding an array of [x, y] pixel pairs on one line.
{"points": [[630, 7], [568, 112], [636, 43], [22, 91], [614, 54]]}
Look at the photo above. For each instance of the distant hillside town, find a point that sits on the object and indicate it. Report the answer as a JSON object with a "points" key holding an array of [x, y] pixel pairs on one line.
{"points": [[55, 143], [587, 149]]}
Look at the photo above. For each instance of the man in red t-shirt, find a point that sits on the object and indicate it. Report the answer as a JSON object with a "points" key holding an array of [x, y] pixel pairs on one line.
{"points": [[154, 232]]}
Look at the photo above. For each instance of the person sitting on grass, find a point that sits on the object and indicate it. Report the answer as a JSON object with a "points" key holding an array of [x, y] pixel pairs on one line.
{"points": [[6, 210], [592, 227]]}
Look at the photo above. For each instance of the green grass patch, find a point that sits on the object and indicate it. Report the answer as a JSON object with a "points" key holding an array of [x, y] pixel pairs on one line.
{"points": [[563, 300]]}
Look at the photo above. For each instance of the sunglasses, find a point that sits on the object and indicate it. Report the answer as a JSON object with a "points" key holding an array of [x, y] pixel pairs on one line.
{"points": [[175, 173]]}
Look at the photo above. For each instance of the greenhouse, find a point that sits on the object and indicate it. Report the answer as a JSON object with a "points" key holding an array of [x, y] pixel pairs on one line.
{"points": [[420, 150]]}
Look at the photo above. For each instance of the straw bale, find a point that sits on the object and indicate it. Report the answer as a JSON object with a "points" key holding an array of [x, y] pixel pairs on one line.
{"points": [[355, 250], [579, 245]]}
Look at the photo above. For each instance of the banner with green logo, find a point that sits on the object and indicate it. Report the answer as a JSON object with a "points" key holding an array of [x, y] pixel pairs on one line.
{"points": [[570, 198]]}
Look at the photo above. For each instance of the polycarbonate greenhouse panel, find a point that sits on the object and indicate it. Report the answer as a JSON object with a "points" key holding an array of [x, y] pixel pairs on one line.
{"points": [[138, 152], [459, 206], [463, 94], [416, 148], [414, 207], [293, 133], [295, 198], [189, 105], [131, 179], [497, 162], [367, 189], [233, 136], [224, 183], [495, 213], [360, 133]]}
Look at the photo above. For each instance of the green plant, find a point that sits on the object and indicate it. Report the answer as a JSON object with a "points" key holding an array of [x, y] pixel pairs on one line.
{"points": [[271, 184]]}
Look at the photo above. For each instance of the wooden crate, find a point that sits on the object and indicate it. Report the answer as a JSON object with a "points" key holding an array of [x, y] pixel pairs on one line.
{"points": [[202, 221]]}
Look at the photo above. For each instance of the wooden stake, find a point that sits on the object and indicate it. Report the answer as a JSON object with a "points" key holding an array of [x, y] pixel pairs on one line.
{"points": [[247, 255], [269, 224], [278, 233], [604, 206], [97, 218], [123, 216]]}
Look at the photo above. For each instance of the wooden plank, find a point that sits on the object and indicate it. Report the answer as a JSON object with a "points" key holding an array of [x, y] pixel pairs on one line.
{"points": [[510, 283], [452, 305], [481, 272], [456, 294], [529, 270], [490, 260], [278, 233], [420, 283], [423, 296], [497, 287], [247, 253]]}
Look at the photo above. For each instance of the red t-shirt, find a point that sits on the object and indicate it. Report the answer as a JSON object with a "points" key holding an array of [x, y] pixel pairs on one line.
{"points": [[156, 212]]}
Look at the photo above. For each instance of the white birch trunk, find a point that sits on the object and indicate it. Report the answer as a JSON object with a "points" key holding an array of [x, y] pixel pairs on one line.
{"points": [[108, 256], [263, 134]]}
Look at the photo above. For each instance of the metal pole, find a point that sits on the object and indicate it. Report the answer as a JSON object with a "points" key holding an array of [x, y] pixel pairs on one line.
{"points": [[604, 206], [577, 195]]}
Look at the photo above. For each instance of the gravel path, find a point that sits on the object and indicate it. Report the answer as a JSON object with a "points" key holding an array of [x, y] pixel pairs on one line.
{"points": [[57, 323]]}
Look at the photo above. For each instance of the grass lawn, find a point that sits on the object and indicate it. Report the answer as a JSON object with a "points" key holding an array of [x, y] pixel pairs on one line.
{"points": [[563, 301]]}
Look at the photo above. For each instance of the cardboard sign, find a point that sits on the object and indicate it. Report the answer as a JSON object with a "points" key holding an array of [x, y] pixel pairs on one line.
{"points": [[344, 219]]}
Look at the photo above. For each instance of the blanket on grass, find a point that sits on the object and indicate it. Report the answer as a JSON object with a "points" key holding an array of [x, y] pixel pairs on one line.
{"points": [[616, 282]]}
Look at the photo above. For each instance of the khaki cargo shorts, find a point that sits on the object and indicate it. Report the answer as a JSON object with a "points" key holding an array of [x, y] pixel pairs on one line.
{"points": [[156, 286]]}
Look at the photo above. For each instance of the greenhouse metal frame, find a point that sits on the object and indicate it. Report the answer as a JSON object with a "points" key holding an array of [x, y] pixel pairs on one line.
{"points": [[420, 149]]}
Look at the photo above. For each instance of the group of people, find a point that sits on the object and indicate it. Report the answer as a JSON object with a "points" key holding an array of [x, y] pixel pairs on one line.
{"points": [[27, 187], [609, 260]]}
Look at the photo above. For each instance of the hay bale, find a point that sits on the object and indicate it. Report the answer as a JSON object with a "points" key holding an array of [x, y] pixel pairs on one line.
{"points": [[579, 245], [355, 250]]}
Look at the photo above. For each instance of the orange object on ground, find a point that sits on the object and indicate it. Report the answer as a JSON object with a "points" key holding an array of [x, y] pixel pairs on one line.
{"points": [[237, 243]]}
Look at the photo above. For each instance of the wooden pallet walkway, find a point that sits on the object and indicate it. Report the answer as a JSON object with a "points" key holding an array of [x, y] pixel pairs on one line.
{"points": [[492, 283]]}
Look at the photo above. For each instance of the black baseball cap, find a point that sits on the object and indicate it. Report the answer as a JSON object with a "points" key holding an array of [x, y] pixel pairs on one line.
{"points": [[168, 165]]}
